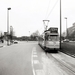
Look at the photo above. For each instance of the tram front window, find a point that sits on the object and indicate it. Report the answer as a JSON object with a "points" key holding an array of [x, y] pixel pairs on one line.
{"points": [[53, 38]]}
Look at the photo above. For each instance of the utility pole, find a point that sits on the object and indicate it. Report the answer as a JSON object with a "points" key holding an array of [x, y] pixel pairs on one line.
{"points": [[29, 35], [11, 34], [60, 24]]}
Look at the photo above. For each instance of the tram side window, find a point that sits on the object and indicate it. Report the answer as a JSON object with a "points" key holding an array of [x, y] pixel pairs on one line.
{"points": [[53, 38]]}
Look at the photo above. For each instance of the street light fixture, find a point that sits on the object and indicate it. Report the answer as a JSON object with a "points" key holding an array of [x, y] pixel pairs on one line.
{"points": [[8, 25]]}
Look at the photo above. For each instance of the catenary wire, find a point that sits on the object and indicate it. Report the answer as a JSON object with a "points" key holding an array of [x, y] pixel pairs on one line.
{"points": [[48, 8], [52, 9]]}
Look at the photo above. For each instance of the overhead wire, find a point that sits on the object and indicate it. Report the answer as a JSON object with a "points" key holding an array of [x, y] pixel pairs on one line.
{"points": [[48, 8], [52, 9]]}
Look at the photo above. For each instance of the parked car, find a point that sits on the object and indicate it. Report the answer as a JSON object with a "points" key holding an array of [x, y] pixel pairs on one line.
{"points": [[15, 42], [66, 40]]}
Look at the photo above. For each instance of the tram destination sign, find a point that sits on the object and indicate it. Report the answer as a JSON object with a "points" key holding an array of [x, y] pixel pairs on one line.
{"points": [[53, 30]]}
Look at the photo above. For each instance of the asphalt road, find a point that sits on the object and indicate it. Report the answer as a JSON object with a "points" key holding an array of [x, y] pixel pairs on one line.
{"points": [[27, 58], [16, 59]]}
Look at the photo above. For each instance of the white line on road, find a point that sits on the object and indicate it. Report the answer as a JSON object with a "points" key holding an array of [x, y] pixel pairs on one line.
{"points": [[34, 56], [36, 62], [32, 60]]}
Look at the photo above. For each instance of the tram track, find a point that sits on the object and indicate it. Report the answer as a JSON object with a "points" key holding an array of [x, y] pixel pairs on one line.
{"points": [[65, 66]]}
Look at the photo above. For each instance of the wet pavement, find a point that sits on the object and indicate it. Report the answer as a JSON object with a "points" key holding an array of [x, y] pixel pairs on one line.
{"points": [[52, 63]]}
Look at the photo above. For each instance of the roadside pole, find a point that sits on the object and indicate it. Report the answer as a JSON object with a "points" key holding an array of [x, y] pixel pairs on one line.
{"points": [[8, 26], [60, 24]]}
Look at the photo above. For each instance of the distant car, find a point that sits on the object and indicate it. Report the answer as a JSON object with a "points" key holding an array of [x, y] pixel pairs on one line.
{"points": [[15, 42], [66, 40]]}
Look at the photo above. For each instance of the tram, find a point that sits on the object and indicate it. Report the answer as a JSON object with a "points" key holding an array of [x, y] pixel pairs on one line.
{"points": [[49, 40]]}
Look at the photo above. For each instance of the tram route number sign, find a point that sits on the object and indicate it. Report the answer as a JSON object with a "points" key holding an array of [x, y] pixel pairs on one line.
{"points": [[53, 30]]}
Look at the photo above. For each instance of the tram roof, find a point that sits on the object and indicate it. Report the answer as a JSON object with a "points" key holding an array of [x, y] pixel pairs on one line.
{"points": [[53, 28]]}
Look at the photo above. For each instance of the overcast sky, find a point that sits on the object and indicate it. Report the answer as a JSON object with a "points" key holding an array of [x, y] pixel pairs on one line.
{"points": [[27, 15]]}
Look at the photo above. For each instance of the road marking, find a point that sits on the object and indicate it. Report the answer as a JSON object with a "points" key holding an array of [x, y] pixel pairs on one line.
{"points": [[34, 56], [4, 46], [36, 65], [40, 72], [34, 49], [36, 62]]}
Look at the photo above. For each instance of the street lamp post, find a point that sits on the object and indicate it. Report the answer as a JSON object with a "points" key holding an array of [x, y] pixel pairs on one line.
{"points": [[29, 33], [66, 28], [8, 25]]}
